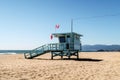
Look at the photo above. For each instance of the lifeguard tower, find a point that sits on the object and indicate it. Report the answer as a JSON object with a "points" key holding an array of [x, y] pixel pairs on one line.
{"points": [[69, 45], [72, 44]]}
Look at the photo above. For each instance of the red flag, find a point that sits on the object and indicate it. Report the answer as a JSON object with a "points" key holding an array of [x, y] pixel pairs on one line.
{"points": [[51, 36], [57, 26]]}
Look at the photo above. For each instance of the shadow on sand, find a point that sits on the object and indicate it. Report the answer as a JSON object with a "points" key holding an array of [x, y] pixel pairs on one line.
{"points": [[88, 59], [74, 59]]}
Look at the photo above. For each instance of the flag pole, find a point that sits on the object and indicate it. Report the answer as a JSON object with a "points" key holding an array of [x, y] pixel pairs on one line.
{"points": [[55, 29]]}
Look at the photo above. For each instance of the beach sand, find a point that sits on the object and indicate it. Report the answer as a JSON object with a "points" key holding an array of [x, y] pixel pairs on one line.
{"points": [[90, 66]]}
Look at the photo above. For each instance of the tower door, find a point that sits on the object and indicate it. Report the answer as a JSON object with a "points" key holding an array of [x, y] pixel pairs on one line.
{"points": [[68, 42]]}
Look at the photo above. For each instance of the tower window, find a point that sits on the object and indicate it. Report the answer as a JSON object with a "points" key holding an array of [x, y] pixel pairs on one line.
{"points": [[62, 39]]}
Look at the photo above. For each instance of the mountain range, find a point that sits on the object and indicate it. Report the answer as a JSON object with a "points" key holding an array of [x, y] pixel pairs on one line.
{"points": [[100, 47]]}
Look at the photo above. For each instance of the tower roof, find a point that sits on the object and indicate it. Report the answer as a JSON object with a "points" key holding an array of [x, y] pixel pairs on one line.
{"points": [[64, 34]]}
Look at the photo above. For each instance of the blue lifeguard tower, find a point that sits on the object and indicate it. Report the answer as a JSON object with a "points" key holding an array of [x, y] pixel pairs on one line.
{"points": [[69, 45]]}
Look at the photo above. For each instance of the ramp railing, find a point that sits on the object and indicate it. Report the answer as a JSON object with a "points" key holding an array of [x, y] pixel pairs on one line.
{"points": [[45, 48]]}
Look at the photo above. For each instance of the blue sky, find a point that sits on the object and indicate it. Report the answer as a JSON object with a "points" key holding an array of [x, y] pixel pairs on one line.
{"points": [[27, 24]]}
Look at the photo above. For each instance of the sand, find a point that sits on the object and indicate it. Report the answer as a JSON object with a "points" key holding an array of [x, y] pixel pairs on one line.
{"points": [[90, 66]]}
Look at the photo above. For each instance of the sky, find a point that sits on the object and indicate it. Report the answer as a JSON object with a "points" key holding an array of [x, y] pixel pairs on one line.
{"points": [[27, 24]]}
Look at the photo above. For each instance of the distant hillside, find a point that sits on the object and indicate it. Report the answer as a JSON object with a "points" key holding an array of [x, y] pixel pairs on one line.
{"points": [[101, 48]]}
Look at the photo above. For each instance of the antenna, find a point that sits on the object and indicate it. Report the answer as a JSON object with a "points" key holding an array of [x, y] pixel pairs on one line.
{"points": [[71, 25]]}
